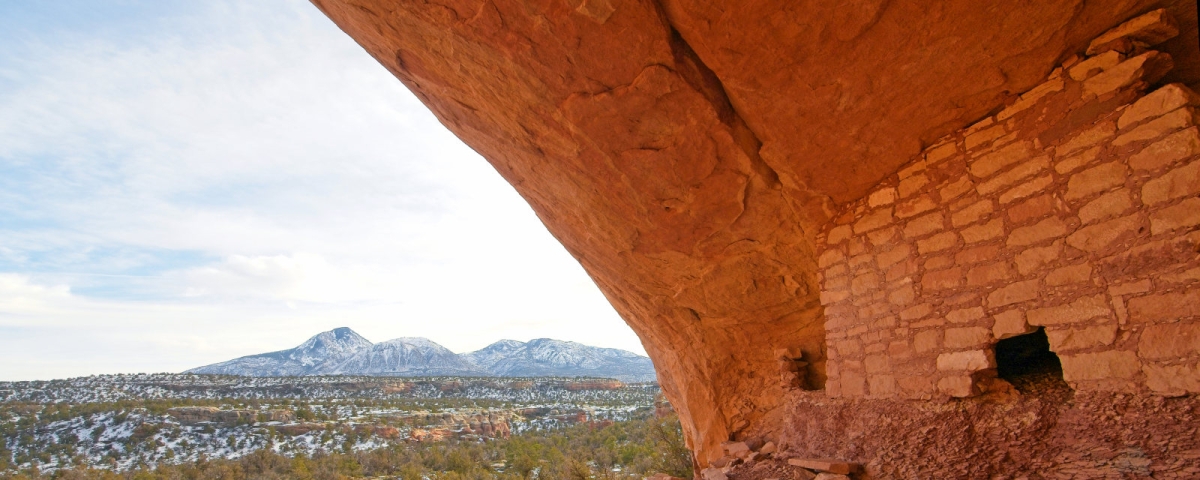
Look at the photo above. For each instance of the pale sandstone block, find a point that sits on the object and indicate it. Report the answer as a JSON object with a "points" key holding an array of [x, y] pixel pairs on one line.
{"points": [[832, 297], [937, 243], [970, 361], [1085, 308], [1026, 189], [1164, 152], [915, 167], [1179, 119], [874, 306], [1108, 205], [964, 315], [977, 255], [942, 279], [1088, 68], [848, 348], [1076, 161], [1030, 98], [1011, 323], [902, 270], [830, 257], [983, 136], [1170, 341], [1036, 207], [837, 283], [1118, 304], [1140, 286], [916, 206], [893, 256], [958, 386], [838, 234], [956, 188], [933, 322], [987, 231], [854, 384], [886, 322], [938, 263], [822, 465], [990, 163], [915, 387], [912, 185], [1156, 103], [836, 270], [1184, 214], [882, 197], [860, 262], [1173, 380], [1071, 274], [980, 125], [1100, 366], [902, 296], [917, 312], [924, 225], [1014, 293], [1096, 179], [1018, 173], [881, 386], [1087, 138], [857, 246], [1177, 183], [1047, 229], [989, 274], [940, 152], [1166, 307], [966, 337], [1191, 275], [1099, 236], [1150, 29], [882, 236], [1032, 259], [1079, 338], [876, 363], [1148, 67], [972, 213]]}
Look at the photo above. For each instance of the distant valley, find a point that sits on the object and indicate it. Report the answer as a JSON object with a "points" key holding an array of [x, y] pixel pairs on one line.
{"points": [[342, 351]]}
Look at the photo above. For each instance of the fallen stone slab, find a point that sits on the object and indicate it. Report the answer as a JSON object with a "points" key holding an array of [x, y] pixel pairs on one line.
{"points": [[822, 465]]}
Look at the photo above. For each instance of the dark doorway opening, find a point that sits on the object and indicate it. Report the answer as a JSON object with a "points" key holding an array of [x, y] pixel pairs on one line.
{"points": [[1027, 362]]}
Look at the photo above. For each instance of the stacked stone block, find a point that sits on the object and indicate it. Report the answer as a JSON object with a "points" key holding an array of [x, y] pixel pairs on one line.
{"points": [[1075, 209]]}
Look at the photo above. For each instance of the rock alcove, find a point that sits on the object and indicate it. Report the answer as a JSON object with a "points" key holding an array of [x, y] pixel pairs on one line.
{"points": [[809, 211]]}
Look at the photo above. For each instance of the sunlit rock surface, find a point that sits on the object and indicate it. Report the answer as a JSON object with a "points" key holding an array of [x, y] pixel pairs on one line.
{"points": [[687, 153]]}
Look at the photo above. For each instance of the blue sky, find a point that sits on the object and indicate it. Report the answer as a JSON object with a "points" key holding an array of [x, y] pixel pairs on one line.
{"points": [[186, 182]]}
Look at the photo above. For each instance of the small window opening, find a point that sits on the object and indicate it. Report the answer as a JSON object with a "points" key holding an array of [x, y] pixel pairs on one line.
{"points": [[1027, 362]]}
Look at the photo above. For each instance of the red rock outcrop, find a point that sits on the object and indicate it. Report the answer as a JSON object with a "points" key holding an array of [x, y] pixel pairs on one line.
{"points": [[689, 153]]}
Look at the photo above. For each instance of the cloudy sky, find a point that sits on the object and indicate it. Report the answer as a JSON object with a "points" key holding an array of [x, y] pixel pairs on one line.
{"points": [[184, 182]]}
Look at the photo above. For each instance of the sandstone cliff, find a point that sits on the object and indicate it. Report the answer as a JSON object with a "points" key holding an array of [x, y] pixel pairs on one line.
{"points": [[690, 154]]}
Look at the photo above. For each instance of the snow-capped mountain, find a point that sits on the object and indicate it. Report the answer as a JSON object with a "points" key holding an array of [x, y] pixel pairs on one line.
{"points": [[408, 356], [548, 357], [341, 351], [323, 351]]}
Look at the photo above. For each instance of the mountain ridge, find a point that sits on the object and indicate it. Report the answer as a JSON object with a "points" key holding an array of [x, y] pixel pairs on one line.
{"points": [[343, 351]]}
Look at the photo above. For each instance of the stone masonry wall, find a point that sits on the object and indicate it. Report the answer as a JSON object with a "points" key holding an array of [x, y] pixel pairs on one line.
{"points": [[1075, 209]]}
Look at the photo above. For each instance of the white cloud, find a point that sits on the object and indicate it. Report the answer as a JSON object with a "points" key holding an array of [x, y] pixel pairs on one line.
{"points": [[236, 178]]}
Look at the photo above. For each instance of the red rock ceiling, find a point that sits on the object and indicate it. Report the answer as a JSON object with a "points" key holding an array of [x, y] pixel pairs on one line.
{"points": [[685, 152]]}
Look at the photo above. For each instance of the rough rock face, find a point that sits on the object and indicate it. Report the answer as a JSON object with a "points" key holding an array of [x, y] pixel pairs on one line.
{"points": [[688, 153]]}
